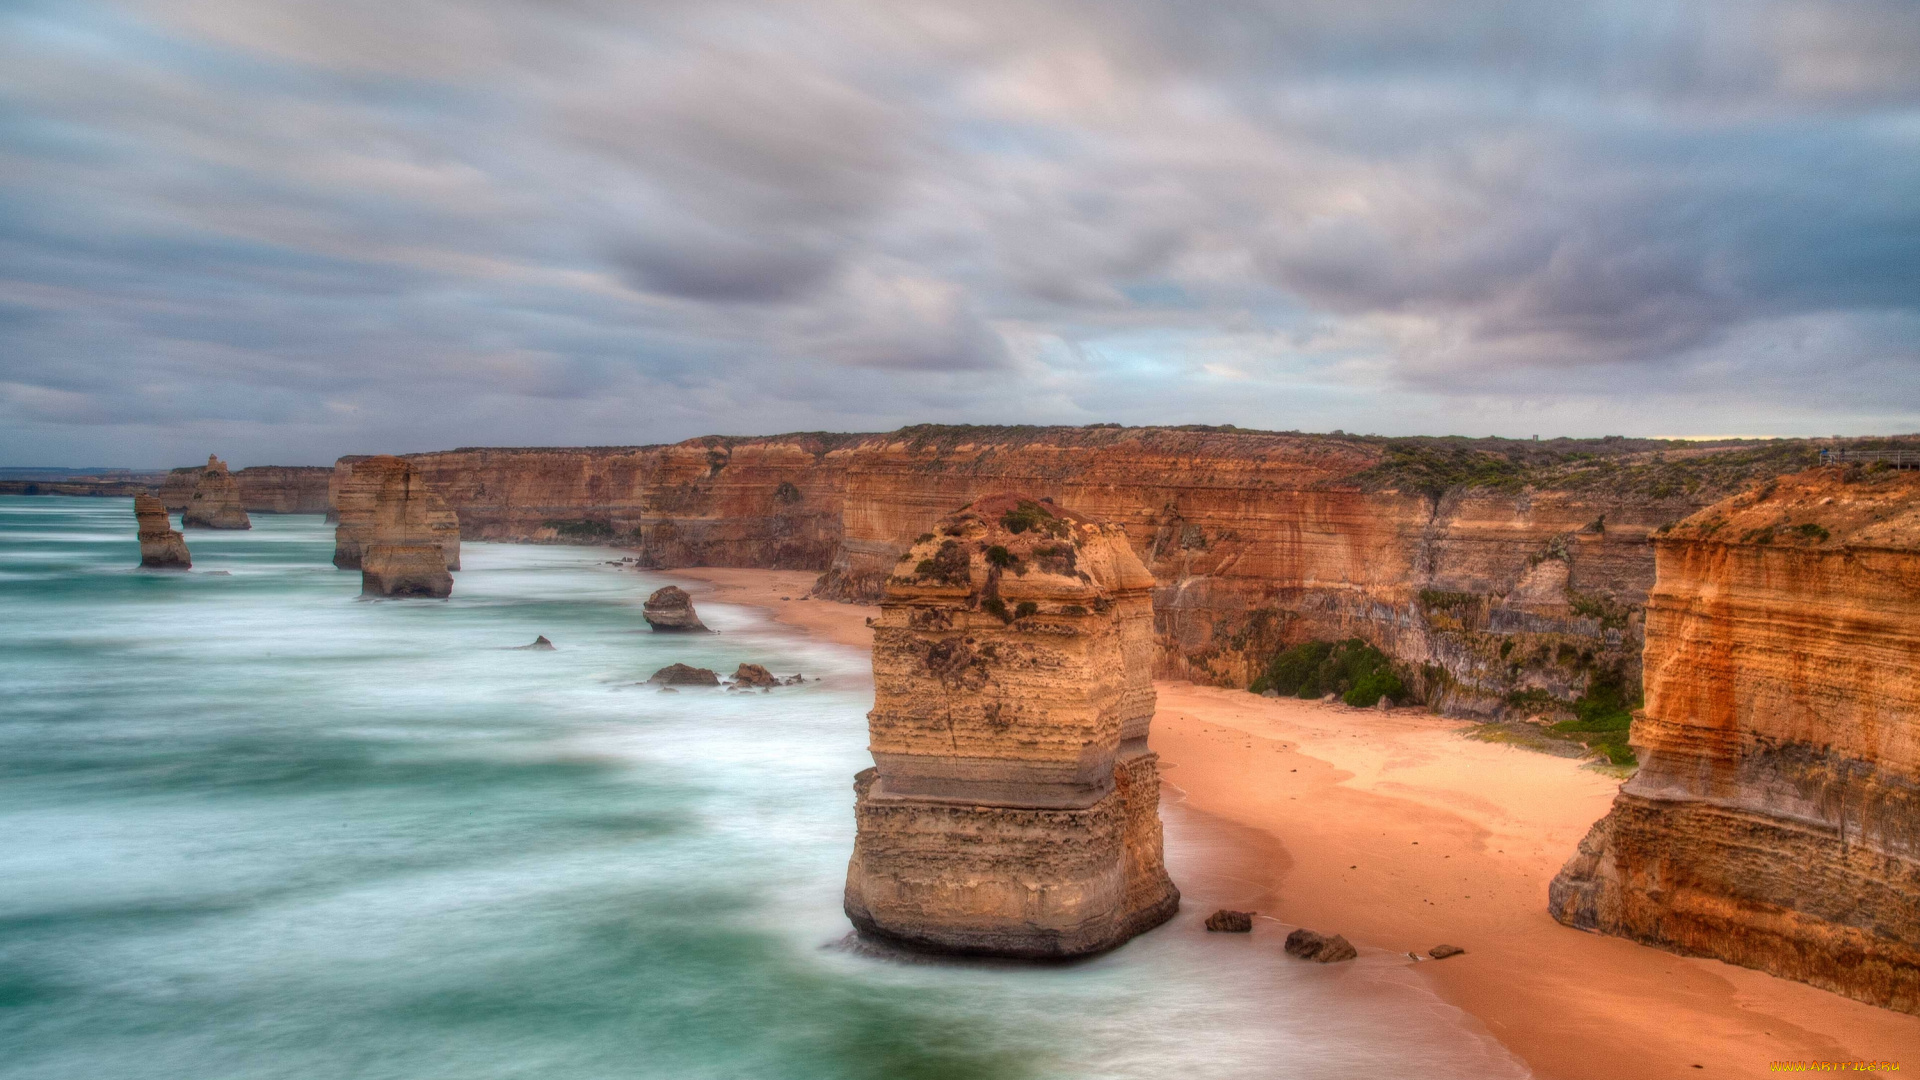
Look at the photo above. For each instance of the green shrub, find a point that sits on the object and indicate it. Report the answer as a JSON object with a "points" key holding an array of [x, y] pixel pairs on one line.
{"points": [[1603, 716], [996, 607], [948, 565], [1358, 672], [1026, 608], [999, 556], [1810, 531], [1030, 515], [581, 528]]}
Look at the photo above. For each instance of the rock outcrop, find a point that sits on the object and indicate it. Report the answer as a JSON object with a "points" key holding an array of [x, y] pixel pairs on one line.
{"points": [[367, 495], [755, 676], [264, 489], [1775, 819], [215, 503], [671, 610], [1320, 948], [160, 547], [1013, 809], [684, 675], [402, 537], [1493, 570], [1226, 921]]}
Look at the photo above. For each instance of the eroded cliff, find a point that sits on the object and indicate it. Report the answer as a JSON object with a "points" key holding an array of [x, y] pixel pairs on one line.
{"points": [[1775, 818], [1503, 574], [215, 503], [161, 548], [264, 489], [1013, 806]]}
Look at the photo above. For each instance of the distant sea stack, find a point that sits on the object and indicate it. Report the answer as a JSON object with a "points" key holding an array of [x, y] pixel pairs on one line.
{"points": [[403, 550], [264, 489], [216, 500], [363, 484], [1775, 819], [1014, 806], [671, 609], [160, 547]]}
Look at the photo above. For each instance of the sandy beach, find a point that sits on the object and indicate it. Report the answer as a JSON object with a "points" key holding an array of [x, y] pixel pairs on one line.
{"points": [[1401, 832]]}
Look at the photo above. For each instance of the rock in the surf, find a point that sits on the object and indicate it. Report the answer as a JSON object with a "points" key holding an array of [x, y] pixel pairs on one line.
{"points": [[684, 675], [161, 548], [1319, 948], [755, 676], [671, 610], [1225, 921]]}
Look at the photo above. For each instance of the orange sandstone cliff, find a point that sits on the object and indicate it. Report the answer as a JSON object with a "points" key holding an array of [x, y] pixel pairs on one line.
{"points": [[402, 536], [1497, 571], [215, 503], [384, 492], [161, 548], [1775, 819], [1013, 806]]}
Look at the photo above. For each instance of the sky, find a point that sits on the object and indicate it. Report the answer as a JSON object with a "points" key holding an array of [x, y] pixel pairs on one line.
{"points": [[285, 230]]}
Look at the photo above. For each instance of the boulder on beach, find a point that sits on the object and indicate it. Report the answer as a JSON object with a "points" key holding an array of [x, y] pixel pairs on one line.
{"points": [[1319, 948], [1441, 952], [755, 676], [1230, 922], [671, 610], [683, 675]]}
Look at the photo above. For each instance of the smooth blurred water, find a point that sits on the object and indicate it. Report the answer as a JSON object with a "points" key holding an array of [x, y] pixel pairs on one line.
{"points": [[253, 826]]}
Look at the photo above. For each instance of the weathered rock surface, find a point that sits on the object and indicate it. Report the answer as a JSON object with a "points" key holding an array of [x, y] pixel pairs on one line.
{"points": [[1256, 539], [683, 675], [1309, 945], [402, 535], [1441, 952], [1775, 819], [755, 676], [374, 496], [264, 489], [671, 610], [160, 547], [1013, 809], [215, 503], [1230, 922]]}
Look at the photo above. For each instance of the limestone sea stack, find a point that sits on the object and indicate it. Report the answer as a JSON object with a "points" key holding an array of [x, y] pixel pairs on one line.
{"points": [[404, 552], [366, 481], [216, 500], [671, 610], [1775, 819], [160, 547], [1013, 809]]}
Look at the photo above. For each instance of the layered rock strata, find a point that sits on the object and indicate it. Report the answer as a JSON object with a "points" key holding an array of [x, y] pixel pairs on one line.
{"points": [[161, 548], [215, 503], [1013, 805], [670, 610], [403, 549], [264, 489], [1775, 819], [1489, 583], [366, 496]]}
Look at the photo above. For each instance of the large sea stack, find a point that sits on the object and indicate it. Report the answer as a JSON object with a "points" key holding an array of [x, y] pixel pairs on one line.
{"points": [[1775, 819], [671, 610], [1014, 806], [403, 553], [160, 547], [364, 485], [216, 500]]}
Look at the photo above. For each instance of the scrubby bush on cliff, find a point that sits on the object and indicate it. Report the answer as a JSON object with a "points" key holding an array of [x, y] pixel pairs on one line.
{"points": [[1032, 516], [1602, 716], [583, 529], [947, 566], [1358, 672]]}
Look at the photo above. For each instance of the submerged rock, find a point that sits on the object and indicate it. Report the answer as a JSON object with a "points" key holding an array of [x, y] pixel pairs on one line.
{"points": [[683, 675], [216, 500], [1230, 922], [671, 609], [1321, 949], [540, 644], [160, 547], [755, 676]]}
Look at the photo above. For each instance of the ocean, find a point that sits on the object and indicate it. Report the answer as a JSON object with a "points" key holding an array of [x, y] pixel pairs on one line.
{"points": [[252, 825]]}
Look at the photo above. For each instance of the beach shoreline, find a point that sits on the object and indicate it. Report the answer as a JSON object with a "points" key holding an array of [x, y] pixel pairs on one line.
{"points": [[1401, 832]]}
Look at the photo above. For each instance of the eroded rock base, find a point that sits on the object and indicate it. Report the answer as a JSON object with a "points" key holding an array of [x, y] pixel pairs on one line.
{"points": [[405, 570]]}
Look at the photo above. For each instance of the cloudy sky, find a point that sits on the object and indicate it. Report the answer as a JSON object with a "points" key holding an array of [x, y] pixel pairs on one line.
{"points": [[289, 229]]}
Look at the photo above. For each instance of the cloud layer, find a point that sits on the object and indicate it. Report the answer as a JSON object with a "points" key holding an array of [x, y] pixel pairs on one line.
{"points": [[290, 229]]}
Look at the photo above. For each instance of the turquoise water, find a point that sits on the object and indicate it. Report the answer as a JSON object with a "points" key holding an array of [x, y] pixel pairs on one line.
{"points": [[253, 826]]}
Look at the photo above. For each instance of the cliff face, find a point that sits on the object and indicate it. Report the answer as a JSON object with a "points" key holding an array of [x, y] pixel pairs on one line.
{"points": [[402, 534], [1491, 587], [161, 548], [1775, 819], [372, 494], [216, 500], [1013, 807], [264, 489]]}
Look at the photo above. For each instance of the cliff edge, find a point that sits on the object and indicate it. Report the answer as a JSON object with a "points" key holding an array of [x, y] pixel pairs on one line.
{"points": [[1775, 819]]}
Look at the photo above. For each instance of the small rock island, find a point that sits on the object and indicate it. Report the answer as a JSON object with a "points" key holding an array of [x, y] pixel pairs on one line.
{"points": [[1013, 809], [403, 552], [216, 500], [671, 610], [161, 548]]}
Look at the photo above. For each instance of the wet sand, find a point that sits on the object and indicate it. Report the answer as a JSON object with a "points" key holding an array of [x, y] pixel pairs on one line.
{"points": [[1400, 832]]}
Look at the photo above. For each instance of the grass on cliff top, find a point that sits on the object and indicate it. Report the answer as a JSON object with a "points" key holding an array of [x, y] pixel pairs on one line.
{"points": [[1630, 468], [1358, 672]]}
